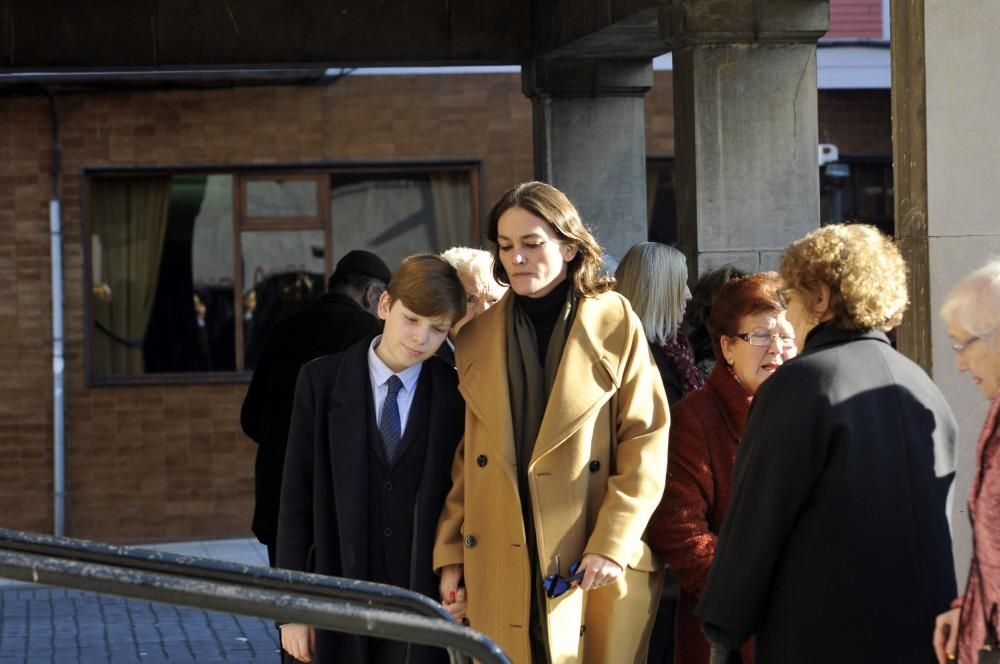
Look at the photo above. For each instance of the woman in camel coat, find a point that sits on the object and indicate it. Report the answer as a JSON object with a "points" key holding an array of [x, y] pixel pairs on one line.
{"points": [[594, 472]]}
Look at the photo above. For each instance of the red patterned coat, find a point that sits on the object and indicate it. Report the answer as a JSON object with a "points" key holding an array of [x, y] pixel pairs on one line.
{"points": [[704, 433], [983, 501]]}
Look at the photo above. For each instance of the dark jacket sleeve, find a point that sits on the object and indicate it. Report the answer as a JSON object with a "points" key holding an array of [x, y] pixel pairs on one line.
{"points": [[777, 466], [295, 520], [679, 531]]}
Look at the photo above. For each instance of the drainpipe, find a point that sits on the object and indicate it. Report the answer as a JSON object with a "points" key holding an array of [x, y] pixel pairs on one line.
{"points": [[58, 360]]}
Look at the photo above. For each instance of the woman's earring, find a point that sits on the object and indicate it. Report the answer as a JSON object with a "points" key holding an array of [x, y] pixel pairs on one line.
{"points": [[730, 361]]}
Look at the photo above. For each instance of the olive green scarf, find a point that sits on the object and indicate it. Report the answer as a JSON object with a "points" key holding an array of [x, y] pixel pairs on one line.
{"points": [[530, 386], [530, 383]]}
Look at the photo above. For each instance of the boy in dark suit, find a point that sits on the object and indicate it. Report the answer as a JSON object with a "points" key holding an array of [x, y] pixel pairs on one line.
{"points": [[373, 434]]}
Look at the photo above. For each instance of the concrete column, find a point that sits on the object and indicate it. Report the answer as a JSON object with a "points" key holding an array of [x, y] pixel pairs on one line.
{"points": [[963, 232], [745, 122], [590, 141]]}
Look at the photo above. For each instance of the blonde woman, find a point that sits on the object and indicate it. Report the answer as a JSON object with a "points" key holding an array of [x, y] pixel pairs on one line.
{"points": [[653, 277], [836, 547], [564, 454]]}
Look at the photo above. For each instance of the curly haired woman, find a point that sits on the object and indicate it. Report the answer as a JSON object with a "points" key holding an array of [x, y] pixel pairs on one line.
{"points": [[836, 546]]}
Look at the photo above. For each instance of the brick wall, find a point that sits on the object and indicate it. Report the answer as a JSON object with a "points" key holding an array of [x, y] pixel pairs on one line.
{"points": [[855, 19], [25, 317], [169, 462], [858, 122]]}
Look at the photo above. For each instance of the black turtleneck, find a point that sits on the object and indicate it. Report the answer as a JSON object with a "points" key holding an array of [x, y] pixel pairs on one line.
{"points": [[544, 312]]}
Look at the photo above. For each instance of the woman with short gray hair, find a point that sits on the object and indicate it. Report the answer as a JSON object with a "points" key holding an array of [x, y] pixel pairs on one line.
{"points": [[972, 311]]}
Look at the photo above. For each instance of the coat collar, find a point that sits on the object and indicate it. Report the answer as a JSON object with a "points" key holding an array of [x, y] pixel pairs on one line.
{"points": [[732, 398], [827, 334], [485, 386]]}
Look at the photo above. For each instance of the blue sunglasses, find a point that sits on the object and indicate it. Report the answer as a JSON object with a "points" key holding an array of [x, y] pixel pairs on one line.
{"points": [[557, 586]]}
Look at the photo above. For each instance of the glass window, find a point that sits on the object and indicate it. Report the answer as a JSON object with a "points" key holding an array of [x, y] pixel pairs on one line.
{"points": [[281, 197], [398, 214], [858, 190], [282, 271], [168, 254], [661, 203]]}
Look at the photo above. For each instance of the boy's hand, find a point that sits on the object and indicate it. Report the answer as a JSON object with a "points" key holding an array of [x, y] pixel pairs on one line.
{"points": [[453, 596], [299, 641]]}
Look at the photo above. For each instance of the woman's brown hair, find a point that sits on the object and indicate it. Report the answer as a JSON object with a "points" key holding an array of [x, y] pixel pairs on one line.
{"points": [[552, 206]]}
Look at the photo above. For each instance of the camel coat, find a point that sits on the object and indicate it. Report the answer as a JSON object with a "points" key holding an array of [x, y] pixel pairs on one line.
{"points": [[596, 475]]}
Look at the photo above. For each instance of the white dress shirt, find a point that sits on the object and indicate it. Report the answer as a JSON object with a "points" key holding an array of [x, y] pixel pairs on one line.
{"points": [[380, 375]]}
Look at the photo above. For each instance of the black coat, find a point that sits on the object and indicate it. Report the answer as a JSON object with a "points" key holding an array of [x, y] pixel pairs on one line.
{"points": [[836, 546], [324, 520], [671, 381], [329, 325]]}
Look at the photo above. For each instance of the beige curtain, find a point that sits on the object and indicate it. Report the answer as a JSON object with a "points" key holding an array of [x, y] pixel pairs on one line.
{"points": [[128, 222], [452, 208]]}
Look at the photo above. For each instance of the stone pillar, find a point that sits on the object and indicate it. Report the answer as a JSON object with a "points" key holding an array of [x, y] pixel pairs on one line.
{"points": [[745, 126], [956, 45], [590, 141]]}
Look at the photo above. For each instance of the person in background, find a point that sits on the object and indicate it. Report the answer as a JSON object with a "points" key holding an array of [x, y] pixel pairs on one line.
{"points": [[698, 311], [564, 454], [373, 435], [475, 269], [653, 277], [752, 339], [344, 315], [972, 311], [836, 546]]}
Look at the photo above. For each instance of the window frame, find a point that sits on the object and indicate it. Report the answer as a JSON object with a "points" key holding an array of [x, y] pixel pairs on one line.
{"points": [[321, 171]]}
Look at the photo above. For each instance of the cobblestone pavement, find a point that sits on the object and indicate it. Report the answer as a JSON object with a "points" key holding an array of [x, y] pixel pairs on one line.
{"points": [[45, 624], [41, 624]]}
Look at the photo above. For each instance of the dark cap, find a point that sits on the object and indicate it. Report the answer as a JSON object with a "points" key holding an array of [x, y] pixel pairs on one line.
{"points": [[359, 261]]}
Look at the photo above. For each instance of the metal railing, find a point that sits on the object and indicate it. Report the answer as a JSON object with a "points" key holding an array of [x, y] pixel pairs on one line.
{"points": [[332, 603]]}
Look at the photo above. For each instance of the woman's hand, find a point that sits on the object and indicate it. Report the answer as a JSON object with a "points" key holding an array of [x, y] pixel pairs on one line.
{"points": [[946, 636], [299, 641], [452, 595], [598, 571]]}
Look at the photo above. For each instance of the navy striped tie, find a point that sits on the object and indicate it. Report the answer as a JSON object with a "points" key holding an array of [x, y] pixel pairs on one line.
{"points": [[389, 426]]}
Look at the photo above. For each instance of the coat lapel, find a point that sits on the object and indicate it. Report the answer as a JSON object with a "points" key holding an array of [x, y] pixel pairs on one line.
{"points": [[348, 431], [483, 382], [584, 381]]}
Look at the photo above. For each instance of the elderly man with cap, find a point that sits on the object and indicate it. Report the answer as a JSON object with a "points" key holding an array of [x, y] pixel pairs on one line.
{"points": [[345, 314]]}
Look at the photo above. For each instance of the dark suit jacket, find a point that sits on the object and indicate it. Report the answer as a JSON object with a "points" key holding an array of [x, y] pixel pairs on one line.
{"points": [[836, 546], [323, 525], [329, 325]]}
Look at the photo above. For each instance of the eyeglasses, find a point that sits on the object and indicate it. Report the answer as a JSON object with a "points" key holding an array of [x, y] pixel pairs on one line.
{"points": [[557, 586], [764, 339], [782, 299], [960, 346]]}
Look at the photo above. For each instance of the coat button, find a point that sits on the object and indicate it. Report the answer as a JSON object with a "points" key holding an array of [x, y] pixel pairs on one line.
{"points": [[470, 541], [595, 466], [482, 460], [387, 532], [388, 486]]}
